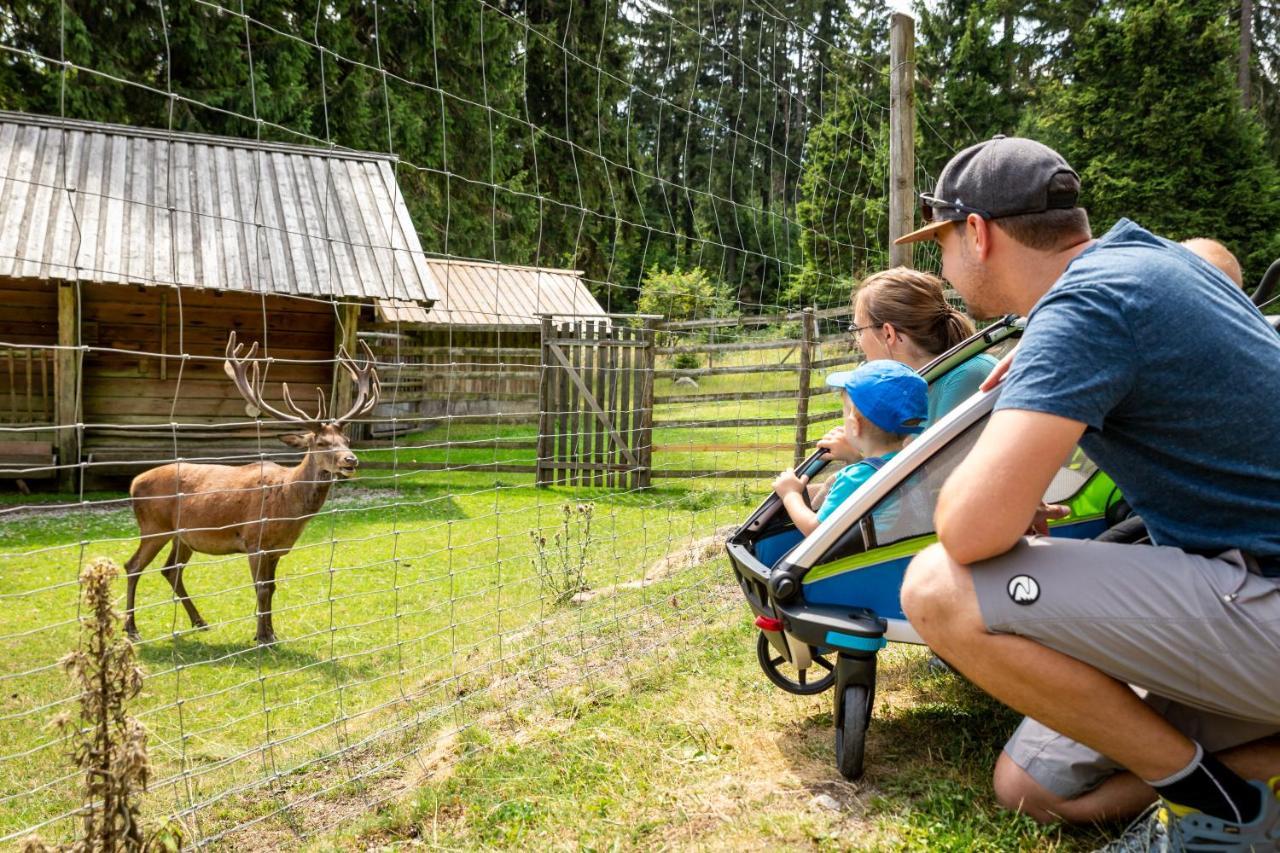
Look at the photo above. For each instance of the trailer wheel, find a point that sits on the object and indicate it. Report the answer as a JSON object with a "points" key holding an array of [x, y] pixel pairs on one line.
{"points": [[790, 679], [851, 730]]}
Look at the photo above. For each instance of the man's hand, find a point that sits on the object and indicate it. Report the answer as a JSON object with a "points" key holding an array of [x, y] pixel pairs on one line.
{"points": [[787, 483], [837, 446], [1044, 514], [997, 373], [990, 498]]}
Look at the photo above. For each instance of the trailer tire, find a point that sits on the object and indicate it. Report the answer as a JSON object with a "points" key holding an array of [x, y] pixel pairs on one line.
{"points": [[851, 730]]}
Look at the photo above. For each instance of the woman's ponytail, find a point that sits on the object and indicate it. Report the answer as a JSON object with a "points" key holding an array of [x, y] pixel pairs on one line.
{"points": [[915, 304]]}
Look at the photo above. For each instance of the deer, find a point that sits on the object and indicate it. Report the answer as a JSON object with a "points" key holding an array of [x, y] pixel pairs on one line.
{"points": [[259, 509]]}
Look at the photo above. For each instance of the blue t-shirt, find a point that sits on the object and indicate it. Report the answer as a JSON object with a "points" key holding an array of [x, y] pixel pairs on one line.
{"points": [[846, 482], [1176, 375], [959, 384]]}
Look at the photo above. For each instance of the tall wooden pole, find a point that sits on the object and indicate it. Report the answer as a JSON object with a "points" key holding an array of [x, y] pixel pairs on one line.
{"points": [[902, 135], [808, 335], [344, 338], [67, 383], [544, 475]]}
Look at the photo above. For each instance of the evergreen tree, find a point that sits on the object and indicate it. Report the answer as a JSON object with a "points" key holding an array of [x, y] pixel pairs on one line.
{"points": [[842, 211], [1158, 135]]}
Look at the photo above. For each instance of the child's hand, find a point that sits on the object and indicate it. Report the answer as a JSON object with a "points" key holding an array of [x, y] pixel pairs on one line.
{"points": [[837, 446], [788, 483]]}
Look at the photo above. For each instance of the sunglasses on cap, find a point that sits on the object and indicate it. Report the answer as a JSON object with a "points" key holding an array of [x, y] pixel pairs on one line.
{"points": [[929, 203]]}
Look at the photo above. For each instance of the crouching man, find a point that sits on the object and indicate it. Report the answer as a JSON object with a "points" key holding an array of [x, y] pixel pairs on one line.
{"points": [[1169, 378]]}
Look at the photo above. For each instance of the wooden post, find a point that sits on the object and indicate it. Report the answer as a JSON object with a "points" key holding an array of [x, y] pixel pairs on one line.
{"points": [[902, 135], [344, 337], [546, 381], [644, 428], [67, 382], [808, 334]]}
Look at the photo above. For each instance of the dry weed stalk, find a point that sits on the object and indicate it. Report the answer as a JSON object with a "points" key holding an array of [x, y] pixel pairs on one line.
{"points": [[106, 743], [561, 564]]}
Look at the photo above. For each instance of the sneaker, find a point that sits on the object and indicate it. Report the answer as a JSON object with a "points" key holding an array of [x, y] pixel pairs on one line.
{"points": [[1147, 834], [1166, 828]]}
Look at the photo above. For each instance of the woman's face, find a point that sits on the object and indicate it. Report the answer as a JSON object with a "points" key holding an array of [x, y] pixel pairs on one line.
{"points": [[870, 336]]}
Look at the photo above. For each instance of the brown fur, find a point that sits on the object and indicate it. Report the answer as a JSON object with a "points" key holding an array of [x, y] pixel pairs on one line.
{"points": [[259, 509]]}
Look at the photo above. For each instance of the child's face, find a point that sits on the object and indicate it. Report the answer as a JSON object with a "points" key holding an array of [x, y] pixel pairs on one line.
{"points": [[850, 415]]}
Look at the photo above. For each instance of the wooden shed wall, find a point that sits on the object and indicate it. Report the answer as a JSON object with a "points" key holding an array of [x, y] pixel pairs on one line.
{"points": [[457, 371], [28, 316], [127, 381]]}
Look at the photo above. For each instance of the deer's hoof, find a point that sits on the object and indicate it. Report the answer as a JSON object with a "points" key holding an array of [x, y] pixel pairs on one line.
{"points": [[200, 625], [268, 640], [133, 635]]}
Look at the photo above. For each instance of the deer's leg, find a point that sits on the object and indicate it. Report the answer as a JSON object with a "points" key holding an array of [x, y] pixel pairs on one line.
{"points": [[263, 565], [147, 550], [172, 572]]}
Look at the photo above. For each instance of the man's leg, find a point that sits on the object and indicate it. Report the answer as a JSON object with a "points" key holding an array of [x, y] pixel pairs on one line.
{"points": [[1051, 778], [1188, 626], [1064, 693]]}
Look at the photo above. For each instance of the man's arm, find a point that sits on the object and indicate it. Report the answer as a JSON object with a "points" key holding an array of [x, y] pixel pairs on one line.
{"points": [[991, 498]]}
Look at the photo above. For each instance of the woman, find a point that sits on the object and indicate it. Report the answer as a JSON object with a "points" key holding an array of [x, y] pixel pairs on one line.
{"points": [[902, 314]]}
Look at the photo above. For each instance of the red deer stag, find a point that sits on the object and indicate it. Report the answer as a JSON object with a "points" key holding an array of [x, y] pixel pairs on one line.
{"points": [[257, 509]]}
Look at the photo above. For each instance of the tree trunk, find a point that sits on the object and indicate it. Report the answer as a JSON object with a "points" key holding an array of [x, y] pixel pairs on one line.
{"points": [[1246, 48]]}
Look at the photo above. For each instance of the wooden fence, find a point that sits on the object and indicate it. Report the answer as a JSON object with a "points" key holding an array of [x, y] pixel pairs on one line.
{"points": [[804, 348], [26, 385], [594, 398]]}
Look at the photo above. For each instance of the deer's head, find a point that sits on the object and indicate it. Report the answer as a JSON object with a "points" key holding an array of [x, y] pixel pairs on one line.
{"points": [[322, 438]]}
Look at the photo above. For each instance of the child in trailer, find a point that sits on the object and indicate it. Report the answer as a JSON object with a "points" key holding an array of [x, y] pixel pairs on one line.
{"points": [[885, 403]]}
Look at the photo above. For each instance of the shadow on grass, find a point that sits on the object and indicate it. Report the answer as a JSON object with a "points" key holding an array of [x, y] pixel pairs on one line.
{"points": [[281, 656]]}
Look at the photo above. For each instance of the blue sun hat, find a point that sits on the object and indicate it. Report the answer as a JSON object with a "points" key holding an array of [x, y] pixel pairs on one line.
{"points": [[888, 393]]}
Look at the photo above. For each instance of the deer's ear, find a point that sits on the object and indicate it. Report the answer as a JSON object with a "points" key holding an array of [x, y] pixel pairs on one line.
{"points": [[297, 440]]}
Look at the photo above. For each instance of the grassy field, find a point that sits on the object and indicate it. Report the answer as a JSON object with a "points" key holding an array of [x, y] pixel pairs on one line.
{"points": [[393, 603], [690, 748], [410, 607]]}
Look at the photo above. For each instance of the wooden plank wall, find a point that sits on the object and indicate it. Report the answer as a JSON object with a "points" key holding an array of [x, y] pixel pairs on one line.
{"points": [[29, 317], [456, 371], [129, 329]]}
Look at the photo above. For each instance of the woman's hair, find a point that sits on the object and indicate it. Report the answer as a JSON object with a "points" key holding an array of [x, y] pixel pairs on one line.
{"points": [[914, 304]]}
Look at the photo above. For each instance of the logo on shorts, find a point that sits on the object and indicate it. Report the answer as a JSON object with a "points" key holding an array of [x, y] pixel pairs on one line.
{"points": [[1023, 589]]}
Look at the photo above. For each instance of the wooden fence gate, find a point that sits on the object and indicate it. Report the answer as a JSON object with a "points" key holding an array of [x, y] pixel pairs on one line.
{"points": [[595, 423]]}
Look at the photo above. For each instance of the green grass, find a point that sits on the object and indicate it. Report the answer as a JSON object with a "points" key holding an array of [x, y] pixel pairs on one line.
{"points": [[412, 596], [391, 603], [692, 748]]}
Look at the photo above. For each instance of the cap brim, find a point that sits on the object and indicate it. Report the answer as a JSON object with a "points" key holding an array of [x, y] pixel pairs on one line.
{"points": [[924, 233], [840, 379]]}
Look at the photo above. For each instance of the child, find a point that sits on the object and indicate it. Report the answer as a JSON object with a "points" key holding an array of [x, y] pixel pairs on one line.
{"points": [[884, 403]]}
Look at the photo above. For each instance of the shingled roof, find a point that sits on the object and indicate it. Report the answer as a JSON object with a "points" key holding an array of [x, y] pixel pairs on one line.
{"points": [[100, 202]]}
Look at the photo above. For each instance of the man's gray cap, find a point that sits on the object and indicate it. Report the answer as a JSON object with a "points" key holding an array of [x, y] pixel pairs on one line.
{"points": [[1003, 176]]}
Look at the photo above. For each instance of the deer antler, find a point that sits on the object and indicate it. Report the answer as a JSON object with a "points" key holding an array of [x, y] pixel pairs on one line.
{"points": [[244, 373], [365, 377]]}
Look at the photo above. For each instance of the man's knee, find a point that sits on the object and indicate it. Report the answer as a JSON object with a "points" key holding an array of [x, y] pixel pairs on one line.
{"points": [[935, 586], [1016, 791], [922, 583]]}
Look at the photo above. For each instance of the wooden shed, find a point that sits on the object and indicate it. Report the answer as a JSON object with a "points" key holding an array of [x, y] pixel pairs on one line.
{"points": [[477, 349], [128, 254]]}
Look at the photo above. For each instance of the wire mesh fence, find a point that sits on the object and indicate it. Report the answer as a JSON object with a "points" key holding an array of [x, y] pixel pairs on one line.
{"points": [[515, 512]]}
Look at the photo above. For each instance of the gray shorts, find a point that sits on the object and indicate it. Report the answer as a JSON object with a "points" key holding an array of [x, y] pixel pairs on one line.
{"points": [[1068, 768], [1201, 634]]}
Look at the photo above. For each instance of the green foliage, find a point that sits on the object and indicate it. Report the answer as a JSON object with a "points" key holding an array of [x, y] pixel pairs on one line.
{"points": [[686, 361], [1158, 135], [684, 294]]}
